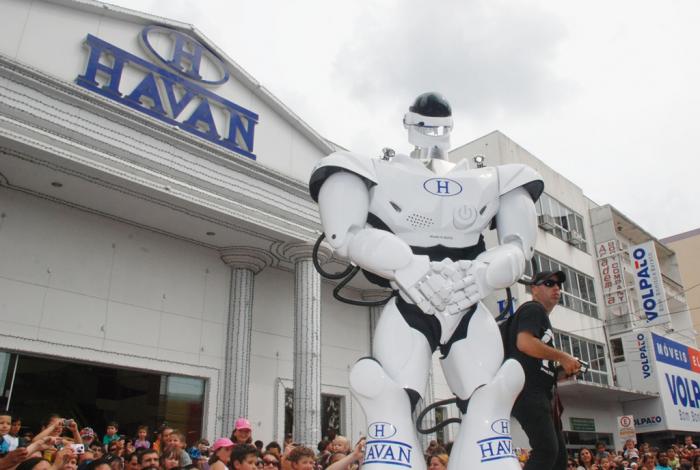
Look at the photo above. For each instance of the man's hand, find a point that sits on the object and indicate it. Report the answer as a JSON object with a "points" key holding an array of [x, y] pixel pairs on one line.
{"points": [[359, 452], [569, 363], [14, 458]]}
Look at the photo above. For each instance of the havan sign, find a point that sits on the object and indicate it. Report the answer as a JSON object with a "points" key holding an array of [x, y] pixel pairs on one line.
{"points": [[174, 93]]}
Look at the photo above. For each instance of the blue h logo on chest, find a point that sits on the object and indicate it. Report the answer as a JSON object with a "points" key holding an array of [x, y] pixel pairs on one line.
{"points": [[442, 187]]}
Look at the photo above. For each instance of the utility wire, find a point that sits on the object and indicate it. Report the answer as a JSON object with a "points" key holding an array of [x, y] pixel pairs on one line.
{"points": [[634, 313]]}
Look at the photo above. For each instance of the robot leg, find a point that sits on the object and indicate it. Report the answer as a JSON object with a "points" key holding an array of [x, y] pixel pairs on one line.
{"points": [[473, 371], [380, 385]]}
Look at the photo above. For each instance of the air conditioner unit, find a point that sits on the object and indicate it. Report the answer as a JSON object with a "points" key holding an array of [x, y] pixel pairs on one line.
{"points": [[546, 222], [575, 238]]}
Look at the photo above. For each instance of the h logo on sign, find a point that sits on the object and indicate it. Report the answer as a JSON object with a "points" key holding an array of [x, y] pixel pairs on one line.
{"points": [[187, 56]]}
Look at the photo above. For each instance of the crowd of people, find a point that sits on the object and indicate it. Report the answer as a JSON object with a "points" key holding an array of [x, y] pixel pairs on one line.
{"points": [[684, 456], [62, 445]]}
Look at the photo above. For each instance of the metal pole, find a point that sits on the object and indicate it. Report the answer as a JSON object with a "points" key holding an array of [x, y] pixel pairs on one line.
{"points": [[12, 383]]}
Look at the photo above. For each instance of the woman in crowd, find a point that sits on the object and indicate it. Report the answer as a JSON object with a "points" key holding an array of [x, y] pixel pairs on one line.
{"points": [[220, 454], [170, 458], [648, 462], [585, 459], [242, 432], [270, 461], [438, 462]]}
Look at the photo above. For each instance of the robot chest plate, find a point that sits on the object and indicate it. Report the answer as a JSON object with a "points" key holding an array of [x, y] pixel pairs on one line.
{"points": [[425, 209]]}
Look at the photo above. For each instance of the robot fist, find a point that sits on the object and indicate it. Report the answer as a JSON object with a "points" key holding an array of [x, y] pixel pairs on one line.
{"points": [[472, 285], [429, 284]]}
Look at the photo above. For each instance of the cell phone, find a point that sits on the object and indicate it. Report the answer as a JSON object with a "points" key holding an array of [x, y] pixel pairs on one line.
{"points": [[78, 448], [23, 442], [67, 422]]}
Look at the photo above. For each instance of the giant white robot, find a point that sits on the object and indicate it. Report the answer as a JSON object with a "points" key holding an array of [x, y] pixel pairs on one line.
{"points": [[415, 222]]}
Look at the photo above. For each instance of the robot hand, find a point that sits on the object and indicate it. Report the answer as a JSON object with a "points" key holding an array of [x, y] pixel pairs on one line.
{"points": [[429, 285], [471, 286], [461, 289]]}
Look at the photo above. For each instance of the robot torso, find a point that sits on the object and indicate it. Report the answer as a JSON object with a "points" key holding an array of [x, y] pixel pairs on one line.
{"points": [[425, 209]]}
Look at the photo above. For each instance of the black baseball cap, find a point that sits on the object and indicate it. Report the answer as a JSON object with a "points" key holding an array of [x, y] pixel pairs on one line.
{"points": [[542, 276]]}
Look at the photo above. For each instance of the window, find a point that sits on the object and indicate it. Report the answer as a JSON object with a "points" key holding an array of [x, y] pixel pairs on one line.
{"points": [[577, 292], [440, 416], [561, 221], [97, 394], [618, 353], [589, 351], [331, 413]]}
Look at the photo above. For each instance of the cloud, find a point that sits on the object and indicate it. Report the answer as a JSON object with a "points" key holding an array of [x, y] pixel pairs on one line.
{"points": [[487, 57]]}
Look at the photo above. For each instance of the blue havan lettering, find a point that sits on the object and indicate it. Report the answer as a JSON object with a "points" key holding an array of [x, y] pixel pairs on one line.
{"points": [[495, 448], [157, 95], [388, 452]]}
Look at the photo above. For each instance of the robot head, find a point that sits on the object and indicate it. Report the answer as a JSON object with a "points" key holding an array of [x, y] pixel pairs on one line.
{"points": [[429, 123]]}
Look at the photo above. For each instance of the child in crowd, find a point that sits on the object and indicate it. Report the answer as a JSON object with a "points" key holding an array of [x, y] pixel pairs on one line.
{"points": [[177, 441], [340, 445], [141, 435], [16, 427], [110, 433], [7, 442]]}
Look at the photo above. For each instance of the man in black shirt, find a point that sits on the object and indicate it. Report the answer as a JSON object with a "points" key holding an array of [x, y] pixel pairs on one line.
{"points": [[531, 342]]}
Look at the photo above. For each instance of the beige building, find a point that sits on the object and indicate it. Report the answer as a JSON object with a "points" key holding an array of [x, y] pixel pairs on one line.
{"points": [[687, 248]]}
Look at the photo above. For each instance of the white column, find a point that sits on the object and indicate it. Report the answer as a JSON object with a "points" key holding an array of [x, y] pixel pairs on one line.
{"points": [[245, 263], [307, 343]]}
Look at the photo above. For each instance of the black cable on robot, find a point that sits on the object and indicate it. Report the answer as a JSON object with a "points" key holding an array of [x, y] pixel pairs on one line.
{"points": [[347, 275]]}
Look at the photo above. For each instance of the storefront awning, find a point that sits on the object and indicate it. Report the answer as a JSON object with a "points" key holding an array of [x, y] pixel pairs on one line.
{"points": [[596, 393]]}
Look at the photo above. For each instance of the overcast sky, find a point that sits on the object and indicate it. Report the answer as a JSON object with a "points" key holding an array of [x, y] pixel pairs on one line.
{"points": [[606, 93]]}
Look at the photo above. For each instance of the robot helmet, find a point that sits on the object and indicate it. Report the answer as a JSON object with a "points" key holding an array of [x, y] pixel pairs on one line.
{"points": [[429, 122]]}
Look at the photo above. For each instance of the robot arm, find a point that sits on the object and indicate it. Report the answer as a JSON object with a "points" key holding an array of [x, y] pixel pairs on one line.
{"points": [[344, 204], [516, 223]]}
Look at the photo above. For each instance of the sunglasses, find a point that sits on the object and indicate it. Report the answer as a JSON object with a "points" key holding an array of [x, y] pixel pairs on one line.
{"points": [[550, 283], [274, 463]]}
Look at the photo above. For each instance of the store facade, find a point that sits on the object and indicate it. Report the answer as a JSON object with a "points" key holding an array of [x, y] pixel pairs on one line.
{"points": [[156, 233]]}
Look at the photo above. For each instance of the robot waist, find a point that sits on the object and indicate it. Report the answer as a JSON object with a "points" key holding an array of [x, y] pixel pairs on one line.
{"points": [[430, 326]]}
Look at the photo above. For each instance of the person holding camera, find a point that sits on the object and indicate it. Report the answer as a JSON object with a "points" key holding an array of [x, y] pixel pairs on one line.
{"points": [[530, 340]]}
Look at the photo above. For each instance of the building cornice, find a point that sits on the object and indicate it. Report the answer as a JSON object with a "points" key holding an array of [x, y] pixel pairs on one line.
{"points": [[73, 125]]}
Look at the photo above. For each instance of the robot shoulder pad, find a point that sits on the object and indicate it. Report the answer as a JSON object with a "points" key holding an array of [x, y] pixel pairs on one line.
{"points": [[341, 161], [515, 175]]}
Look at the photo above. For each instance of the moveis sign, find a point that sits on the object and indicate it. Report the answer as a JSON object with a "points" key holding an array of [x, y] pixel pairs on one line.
{"points": [[683, 388], [175, 93]]}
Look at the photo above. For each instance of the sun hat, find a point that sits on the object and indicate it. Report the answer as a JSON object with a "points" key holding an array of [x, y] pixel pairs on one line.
{"points": [[242, 423], [221, 442]]}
